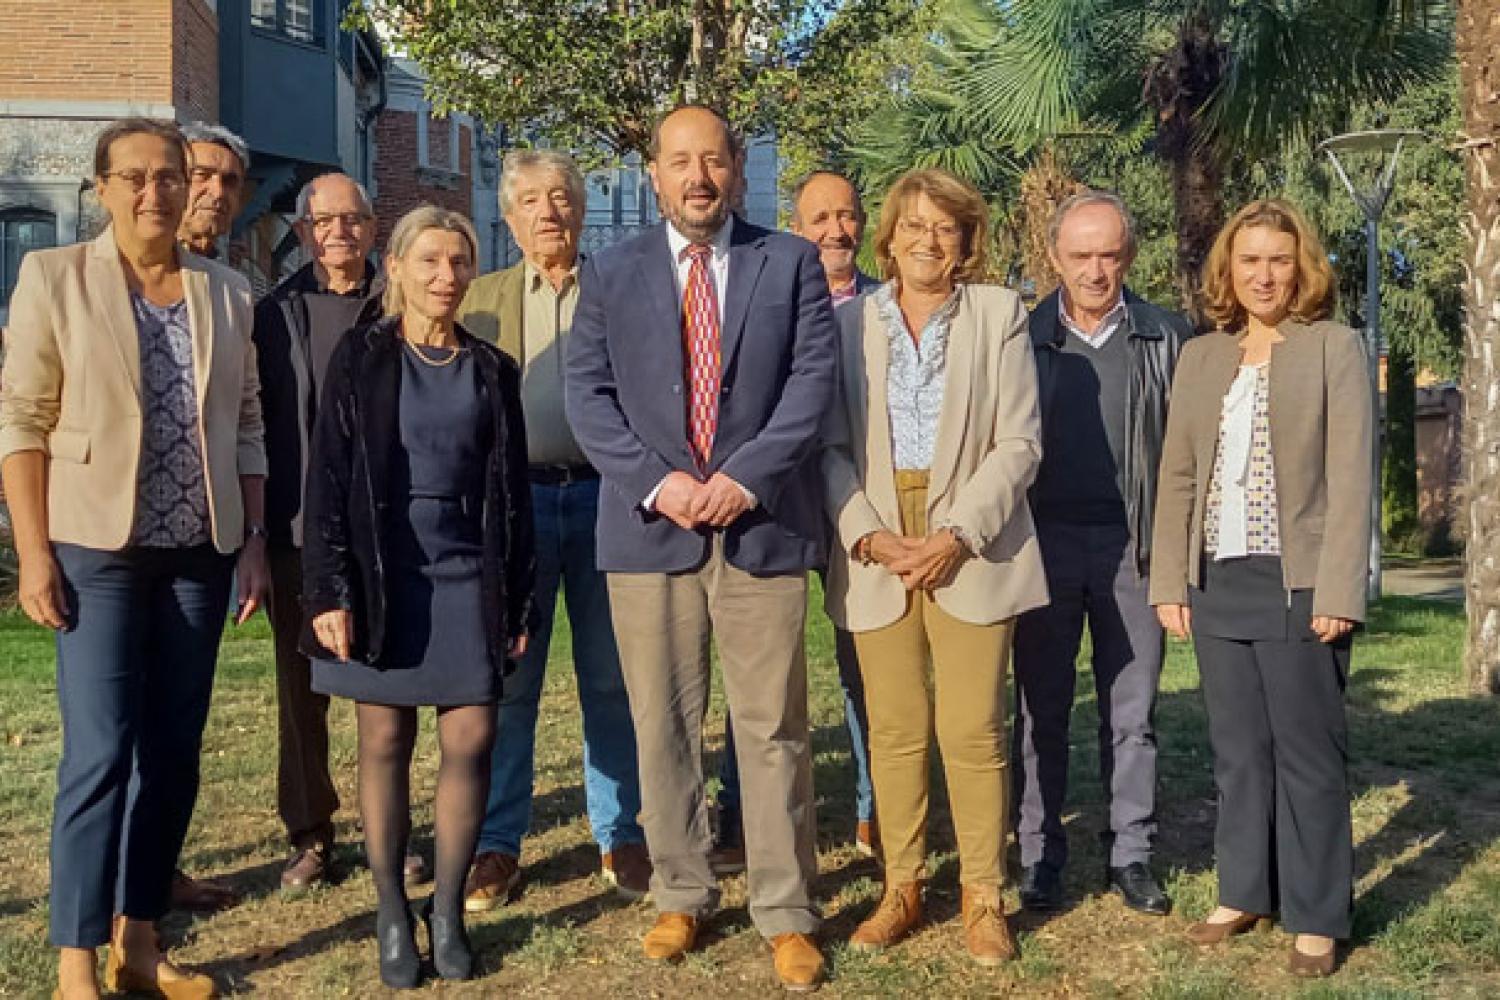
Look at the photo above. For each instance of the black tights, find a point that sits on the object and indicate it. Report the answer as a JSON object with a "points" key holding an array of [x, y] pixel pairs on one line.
{"points": [[387, 736]]}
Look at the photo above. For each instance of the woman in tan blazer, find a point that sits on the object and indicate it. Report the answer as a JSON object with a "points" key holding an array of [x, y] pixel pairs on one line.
{"points": [[1262, 531], [130, 445], [931, 447]]}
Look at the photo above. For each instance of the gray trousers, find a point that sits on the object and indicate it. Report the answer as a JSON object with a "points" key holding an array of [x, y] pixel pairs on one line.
{"points": [[1092, 577], [664, 624]]}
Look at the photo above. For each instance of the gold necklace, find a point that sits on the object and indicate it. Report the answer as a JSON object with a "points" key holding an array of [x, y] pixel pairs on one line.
{"points": [[452, 356]]}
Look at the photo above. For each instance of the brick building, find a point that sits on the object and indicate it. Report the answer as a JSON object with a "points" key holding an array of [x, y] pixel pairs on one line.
{"points": [[281, 73]]}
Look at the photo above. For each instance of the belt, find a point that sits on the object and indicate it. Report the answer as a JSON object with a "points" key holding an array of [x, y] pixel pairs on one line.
{"points": [[561, 475]]}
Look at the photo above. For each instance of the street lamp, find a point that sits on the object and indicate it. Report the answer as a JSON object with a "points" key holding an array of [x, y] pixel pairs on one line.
{"points": [[1386, 143]]}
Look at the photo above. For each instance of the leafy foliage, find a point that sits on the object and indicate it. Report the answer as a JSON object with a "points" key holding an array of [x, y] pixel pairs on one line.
{"points": [[585, 75]]}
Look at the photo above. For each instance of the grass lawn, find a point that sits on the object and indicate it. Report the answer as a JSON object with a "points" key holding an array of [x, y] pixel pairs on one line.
{"points": [[1426, 775]]}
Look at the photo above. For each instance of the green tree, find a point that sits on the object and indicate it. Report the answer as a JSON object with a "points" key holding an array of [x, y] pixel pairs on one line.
{"points": [[588, 76], [1203, 85]]}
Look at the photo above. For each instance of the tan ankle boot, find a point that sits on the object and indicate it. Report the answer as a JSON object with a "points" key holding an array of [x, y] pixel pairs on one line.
{"points": [[986, 934], [899, 912]]}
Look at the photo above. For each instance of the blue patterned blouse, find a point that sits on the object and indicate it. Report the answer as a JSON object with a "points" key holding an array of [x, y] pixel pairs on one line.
{"points": [[171, 508], [916, 378]]}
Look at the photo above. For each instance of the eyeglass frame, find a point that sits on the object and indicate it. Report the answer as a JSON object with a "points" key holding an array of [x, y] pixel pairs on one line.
{"points": [[138, 180]]}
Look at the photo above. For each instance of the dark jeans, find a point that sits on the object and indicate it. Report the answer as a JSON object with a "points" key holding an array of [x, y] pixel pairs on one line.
{"points": [[854, 718], [565, 517], [1092, 577], [305, 796], [135, 670]]}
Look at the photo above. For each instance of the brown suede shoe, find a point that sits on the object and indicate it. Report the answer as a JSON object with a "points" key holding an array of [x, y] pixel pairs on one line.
{"points": [[986, 933], [202, 895], [671, 938], [168, 980], [492, 881], [307, 868], [1204, 933], [628, 869], [798, 962], [899, 912], [867, 838]]}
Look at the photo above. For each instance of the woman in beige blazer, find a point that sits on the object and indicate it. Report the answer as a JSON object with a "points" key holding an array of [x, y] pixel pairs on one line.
{"points": [[931, 447], [130, 445], [1262, 532]]}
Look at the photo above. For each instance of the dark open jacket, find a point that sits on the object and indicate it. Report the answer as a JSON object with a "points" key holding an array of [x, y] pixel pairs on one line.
{"points": [[288, 406], [1156, 338], [349, 494]]}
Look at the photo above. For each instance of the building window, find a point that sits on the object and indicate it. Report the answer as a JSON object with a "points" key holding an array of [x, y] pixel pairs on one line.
{"points": [[296, 19], [22, 230]]}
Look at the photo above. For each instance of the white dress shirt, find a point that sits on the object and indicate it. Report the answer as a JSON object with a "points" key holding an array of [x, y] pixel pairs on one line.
{"points": [[718, 268], [718, 272], [1111, 322]]}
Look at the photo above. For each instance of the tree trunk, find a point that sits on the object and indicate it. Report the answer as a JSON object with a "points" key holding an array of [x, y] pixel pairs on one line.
{"points": [[1478, 44], [1399, 475], [1178, 87]]}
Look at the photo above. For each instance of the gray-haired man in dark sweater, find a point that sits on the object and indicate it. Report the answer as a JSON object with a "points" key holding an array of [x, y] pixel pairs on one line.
{"points": [[1104, 366]]}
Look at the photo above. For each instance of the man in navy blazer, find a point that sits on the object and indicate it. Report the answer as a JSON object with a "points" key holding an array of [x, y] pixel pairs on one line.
{"points": [[699, 371]]}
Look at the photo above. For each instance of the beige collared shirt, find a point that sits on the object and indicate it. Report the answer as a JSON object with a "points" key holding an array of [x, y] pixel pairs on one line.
{"points": [[548, 318]]}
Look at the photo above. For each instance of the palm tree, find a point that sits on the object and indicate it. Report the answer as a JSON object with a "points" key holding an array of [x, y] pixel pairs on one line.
{"points": [[1479, 79], [1206, 84]]}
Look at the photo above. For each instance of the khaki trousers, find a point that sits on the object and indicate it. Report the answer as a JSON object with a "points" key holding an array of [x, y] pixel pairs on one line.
{"points": [[965, 705], [664, 624]]}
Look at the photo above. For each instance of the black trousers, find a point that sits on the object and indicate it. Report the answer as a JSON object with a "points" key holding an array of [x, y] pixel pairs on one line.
{"points": [[1284, 840]]}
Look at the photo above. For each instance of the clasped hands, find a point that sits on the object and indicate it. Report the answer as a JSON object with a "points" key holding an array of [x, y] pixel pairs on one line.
{"points": [[691, 504], [921, 563]]}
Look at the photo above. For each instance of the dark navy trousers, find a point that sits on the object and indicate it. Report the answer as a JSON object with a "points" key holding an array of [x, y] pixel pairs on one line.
{"points": [[135, 670]]}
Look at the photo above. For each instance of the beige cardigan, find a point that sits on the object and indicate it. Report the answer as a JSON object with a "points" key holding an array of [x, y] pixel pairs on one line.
{"points": [[70, 388], [1321, 414], [988, 449]]}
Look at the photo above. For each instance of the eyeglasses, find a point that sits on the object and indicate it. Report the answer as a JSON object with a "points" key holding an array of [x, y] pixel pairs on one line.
{"points": [[351, 220], [136, 180], [947, 232]]}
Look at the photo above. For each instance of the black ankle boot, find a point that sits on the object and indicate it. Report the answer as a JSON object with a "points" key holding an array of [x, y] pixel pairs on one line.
{"points": [[400, 962], [451, 954]]}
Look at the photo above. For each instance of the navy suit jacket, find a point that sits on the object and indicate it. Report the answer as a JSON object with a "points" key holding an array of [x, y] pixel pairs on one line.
{"points": [[626, 403]]}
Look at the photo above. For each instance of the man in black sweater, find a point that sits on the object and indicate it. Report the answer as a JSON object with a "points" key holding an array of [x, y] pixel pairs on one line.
{"points": [[1104, 366]]}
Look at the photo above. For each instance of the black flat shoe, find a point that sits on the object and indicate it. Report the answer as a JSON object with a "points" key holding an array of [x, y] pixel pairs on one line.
{"points": [[452, 956], [1139, 888], [1041, 887], [400, 962]]}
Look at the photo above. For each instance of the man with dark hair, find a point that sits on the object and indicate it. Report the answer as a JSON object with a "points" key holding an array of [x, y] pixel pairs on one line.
{"points": [[1104, 368], [216, 186], [700, 370]]}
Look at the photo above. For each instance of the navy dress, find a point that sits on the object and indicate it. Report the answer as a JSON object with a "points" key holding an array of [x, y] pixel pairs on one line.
{"points": [[435, 642]]}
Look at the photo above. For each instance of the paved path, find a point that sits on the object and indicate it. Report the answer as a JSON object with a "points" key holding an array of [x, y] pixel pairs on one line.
{"points": [[1433, 579]]}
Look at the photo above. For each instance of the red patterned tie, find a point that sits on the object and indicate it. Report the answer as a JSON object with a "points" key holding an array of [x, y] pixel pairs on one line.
{"points": [[700, 344]]}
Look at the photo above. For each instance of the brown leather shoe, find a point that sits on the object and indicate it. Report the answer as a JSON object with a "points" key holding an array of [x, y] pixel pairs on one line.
{"points": [[898, 914], [492, 881], [867, 838], [986, 932], [628, 869], [798, 962], [1205, 934], [1313, 966], [204, 895], [307, 868], [671, 938]]}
